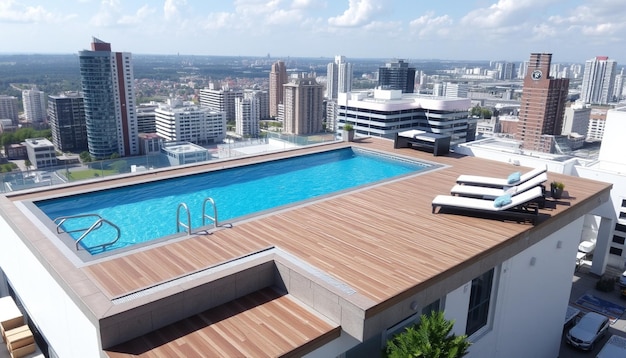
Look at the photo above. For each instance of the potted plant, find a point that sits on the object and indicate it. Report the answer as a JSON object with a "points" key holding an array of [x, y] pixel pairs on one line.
{"points": [[556, 189], [348, 132]]}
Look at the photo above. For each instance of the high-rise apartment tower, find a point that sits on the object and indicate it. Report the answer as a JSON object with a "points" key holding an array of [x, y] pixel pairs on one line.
{"points": [[304, 106], [110, 104], [338, 77], [598, 80], [278, 77]]}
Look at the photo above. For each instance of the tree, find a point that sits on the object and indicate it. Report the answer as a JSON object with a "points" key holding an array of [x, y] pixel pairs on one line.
{"points": [[430, 338], [85, 157]]}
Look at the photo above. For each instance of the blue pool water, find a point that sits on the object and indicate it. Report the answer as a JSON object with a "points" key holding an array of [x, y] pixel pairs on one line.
{"points": [[147, 211]]}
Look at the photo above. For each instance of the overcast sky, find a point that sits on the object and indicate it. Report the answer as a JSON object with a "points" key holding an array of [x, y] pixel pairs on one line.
{"points": [[572, 30]]}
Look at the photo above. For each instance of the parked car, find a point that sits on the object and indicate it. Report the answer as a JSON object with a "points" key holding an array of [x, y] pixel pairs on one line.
{"points": [[588, 330]]}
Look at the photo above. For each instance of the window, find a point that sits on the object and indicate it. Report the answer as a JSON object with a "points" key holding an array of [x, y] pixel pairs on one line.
{"points": [[618, 239], [480, 297], [620, 227], [433, 307], [615, 251]]}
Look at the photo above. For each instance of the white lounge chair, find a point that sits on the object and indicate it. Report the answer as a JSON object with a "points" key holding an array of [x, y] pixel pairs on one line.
{"points": [[477, 180], [519, 205], [482, 192]]}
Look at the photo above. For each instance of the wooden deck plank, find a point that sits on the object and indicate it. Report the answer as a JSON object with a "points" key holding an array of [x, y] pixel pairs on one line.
{"points": [[262, 324], [358, 238]]}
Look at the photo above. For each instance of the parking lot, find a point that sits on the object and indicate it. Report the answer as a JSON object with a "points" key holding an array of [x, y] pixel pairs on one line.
{"points": [[584, 282]]}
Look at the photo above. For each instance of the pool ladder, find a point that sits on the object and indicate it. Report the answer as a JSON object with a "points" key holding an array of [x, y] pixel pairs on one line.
{"points": [[96, 225], [205, 216]]}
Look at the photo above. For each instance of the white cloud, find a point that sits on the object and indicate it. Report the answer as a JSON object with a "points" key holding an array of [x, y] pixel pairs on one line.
{"points": [[359, 12], [11, 11], [142, 14], [171, 8], [429, 24], [219, 20]]}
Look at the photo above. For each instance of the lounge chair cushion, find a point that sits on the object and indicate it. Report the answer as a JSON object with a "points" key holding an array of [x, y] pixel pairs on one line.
{"points": [[514, 177], [502, 200], [511, 191]]}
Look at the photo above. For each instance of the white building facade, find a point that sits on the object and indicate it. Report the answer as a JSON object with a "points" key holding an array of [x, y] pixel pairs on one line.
{"points": [[247, 115], [34, 105], [382, 113], [598, 80], [185, 122]]}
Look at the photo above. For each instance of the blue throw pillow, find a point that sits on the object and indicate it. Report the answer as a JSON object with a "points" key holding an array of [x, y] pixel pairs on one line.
{"points": [[502, 200], [514, 178]]}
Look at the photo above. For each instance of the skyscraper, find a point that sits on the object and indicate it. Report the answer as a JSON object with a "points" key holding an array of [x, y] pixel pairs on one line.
{"points": [[543, 105], [67, 122], [278, 77], [598, 80], [110, 105], [339, 77], [304, 106], [397, 75], [34, 105]]}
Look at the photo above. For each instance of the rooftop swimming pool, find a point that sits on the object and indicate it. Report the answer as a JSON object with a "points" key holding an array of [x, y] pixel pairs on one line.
{"points": [[148, 211]]}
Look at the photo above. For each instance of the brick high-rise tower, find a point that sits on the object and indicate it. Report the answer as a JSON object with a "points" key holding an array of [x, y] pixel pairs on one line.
{"points": [[278, 77], [543, 105]]}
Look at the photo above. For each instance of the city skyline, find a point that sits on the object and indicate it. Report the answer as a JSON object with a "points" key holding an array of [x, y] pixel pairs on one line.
{"points": [[573, 31]]}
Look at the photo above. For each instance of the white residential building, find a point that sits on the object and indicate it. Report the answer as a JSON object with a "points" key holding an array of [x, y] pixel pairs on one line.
{"points": [[185, 122], [339, 77], [34, 105], [247, 115], [222, 100], [598, 80]]}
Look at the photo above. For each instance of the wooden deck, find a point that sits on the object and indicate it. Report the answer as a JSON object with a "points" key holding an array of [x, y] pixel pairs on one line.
{"points": [[263, 324], [384, 241], [379, 241]]}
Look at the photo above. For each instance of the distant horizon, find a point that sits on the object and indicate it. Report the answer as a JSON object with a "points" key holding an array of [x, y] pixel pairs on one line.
{"points": [[573, 31], [277, 58]]}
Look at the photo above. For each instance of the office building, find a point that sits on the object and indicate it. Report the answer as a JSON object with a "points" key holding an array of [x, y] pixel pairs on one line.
{"points": [[278, 77], [338, 77], [303, 106], [179, 121], [247, 115], [110, 106], [576, 125], [542, 106], [146, 117], [598, 80], [383, 113], [34, 106], [397, 75], [68, 125], [9, 109], [41, 152], [221, 100]]}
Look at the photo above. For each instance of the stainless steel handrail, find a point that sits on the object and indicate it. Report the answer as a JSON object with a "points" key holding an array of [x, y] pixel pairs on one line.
{"points": [[205, 216], [65, 218], [95, 226], [178, 223]]}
